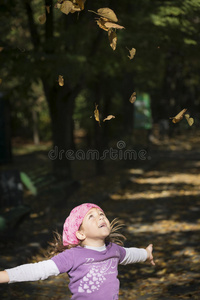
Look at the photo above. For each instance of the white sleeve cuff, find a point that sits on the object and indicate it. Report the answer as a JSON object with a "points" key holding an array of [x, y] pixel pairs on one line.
{"points": [[134, 255], [33, 272]]}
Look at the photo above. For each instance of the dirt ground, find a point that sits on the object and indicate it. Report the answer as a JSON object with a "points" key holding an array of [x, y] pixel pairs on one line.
{"points": [[158, 200]]}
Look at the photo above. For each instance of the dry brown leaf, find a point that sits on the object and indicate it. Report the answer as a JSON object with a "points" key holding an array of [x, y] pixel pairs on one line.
{"points": [[100, 23], [0, 81], [81, 3], [105, 25], [113, 25], [75, 8], [107, 13], [48, 8], [60, 80], [189, 119], [96, 114], [112, 36], [66, 7], [131, 53], [133, 97], [1, 49], [109, 118], [42, 19], [179, 116]]}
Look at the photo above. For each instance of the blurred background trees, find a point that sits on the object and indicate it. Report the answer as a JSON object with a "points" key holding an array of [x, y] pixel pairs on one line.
{"points": [[34, 53]]}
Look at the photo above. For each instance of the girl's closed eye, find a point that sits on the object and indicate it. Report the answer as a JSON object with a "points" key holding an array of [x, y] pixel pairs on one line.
{"points": [[90, 216]]}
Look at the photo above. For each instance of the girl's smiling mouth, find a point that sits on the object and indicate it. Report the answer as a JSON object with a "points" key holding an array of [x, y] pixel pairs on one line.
{"points": [[102, 225]]}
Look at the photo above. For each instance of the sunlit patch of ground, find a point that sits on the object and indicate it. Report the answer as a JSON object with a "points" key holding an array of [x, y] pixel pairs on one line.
{"points": [[159, 204]]}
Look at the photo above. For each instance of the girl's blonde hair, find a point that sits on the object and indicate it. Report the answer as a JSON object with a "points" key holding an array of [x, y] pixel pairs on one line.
{"points": [[56, 246]]}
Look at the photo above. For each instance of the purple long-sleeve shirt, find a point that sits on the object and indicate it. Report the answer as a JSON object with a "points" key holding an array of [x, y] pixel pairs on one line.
{"points": [[93, 274], [92, 270]]}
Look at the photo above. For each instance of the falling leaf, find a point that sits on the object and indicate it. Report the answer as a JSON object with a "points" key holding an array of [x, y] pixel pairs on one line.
{"points": [[109, 118], [101, 24], [0, 81], [189, 119], [107, 13], [96, 114], [105, 25], [179, 116], [107, 19], [42, 18], [66, 7], [60, 80], [81, 3], [48, 9], [133, 97], [112, 36], [113, 25], [1, 49], [75, 8], [131, 53]]}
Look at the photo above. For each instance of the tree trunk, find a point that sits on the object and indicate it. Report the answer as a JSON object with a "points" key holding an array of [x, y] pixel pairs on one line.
{"points": [[61, 107], [60, 99], [36, 137]]}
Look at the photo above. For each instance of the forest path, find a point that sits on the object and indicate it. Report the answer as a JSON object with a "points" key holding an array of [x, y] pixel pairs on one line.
{"points": [[157, 200]]}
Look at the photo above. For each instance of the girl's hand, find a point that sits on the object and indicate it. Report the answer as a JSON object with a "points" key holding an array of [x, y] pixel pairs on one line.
{"points": [[149, 250], [4, 277]]}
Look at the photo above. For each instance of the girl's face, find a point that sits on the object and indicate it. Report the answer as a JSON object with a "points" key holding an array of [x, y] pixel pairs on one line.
{"points": [[94, 228]]}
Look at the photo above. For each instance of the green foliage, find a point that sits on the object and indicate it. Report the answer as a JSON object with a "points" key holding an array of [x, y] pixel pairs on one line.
{"points": [[164, 33]]}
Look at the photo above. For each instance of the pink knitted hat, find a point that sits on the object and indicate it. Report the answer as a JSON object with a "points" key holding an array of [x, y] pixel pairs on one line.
{"points": [[73, 222]]}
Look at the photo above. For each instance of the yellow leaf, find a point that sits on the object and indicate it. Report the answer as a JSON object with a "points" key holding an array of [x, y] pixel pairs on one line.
{"points": [[179, 116], [109, 118], [112, 36], [189, 119], [60, 80], [133, 97], [42, 18], [107, 13], [131, 53], [66, 7], [96, 114]]}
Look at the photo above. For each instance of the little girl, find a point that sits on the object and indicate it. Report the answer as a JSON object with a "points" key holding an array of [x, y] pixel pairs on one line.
{"points": [[89, 251]]}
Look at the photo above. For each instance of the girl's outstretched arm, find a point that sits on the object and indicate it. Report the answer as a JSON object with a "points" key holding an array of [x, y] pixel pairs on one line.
{"points": [[30, 272], [135, 255], [4, 278]]}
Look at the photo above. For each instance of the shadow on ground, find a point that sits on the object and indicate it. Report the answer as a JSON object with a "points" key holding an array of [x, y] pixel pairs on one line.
{"points": [[159, 202]]}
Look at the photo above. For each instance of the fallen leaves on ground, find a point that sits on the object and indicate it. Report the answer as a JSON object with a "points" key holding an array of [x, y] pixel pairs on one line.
{"points": [[159, 204]]}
